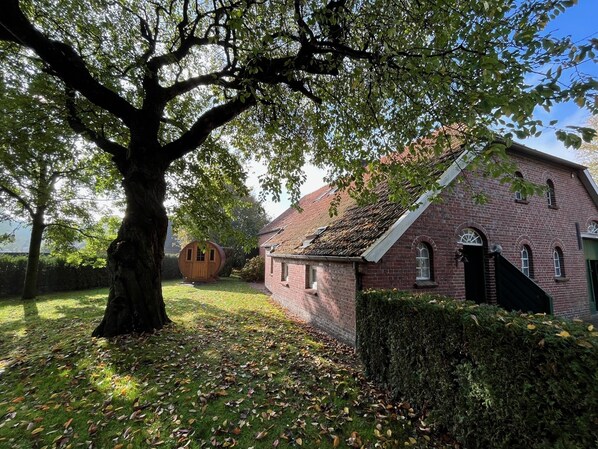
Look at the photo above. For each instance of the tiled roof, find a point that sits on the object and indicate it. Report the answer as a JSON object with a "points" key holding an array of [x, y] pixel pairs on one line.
{"points": [[313, 232]]}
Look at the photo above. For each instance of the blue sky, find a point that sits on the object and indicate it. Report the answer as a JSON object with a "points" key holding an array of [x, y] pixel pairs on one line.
{"points": [[580, 22]]}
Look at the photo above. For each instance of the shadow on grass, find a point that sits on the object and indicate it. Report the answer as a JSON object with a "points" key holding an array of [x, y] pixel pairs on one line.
{"points": [[30, 309]]}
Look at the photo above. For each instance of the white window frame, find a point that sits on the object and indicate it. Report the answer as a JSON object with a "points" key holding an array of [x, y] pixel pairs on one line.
{"points": [[525, 261], [470, 237], [550, 193], [423, 268], [593, 228], [284, 272], [557, 258], [312, 277], [519, 195]]}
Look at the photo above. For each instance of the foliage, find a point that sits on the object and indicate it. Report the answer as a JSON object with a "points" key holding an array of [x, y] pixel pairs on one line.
{"points": [[253, 271], [588, 151], [235, 260], [46, 168], [234, 225], [233, 371], [85, 247], [57, 273], [334, 83], [493, 378]]}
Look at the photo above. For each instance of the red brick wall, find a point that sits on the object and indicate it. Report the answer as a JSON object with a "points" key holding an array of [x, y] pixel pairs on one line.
{"points": [[262, 239], [501, 221], [331, 308]]}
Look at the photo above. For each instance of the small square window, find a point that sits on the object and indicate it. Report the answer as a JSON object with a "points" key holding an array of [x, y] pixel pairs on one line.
{"points": [[201, 255]]}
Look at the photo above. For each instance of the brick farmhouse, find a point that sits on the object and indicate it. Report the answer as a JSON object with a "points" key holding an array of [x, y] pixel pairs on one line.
{"points": [[536, 253]]}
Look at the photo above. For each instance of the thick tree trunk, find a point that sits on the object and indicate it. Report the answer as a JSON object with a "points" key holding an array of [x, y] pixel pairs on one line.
{"points": [[35, 244], [135, 302]]}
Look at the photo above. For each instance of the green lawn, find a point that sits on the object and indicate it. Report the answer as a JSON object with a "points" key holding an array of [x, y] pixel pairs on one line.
{"points": [[232, 371]]}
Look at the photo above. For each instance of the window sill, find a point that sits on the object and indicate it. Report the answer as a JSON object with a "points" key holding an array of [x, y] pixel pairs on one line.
{"points": [[425, 284], [550, 206], [561, 279], [522, 201], [311, 291], [284, 283]]}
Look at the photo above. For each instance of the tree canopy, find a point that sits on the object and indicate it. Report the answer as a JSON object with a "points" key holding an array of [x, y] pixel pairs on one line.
{"points": [[48, 174], [337, 83]]}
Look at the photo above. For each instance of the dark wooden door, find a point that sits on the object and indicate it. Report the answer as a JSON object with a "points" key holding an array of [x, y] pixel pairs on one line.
{"points": [[594, 277], [475, 273]]}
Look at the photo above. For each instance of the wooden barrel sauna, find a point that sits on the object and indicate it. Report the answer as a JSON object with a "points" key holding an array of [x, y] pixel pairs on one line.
{"points": [[201, 262]]}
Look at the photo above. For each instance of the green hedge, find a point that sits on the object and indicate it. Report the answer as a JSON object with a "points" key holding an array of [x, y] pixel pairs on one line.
{"points": [[490, 377], [55, 274]]}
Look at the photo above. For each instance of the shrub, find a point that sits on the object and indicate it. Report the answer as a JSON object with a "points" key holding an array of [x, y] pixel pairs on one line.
{"points": [[170, 267], [253, 271], [491, 377], [235, 259]]}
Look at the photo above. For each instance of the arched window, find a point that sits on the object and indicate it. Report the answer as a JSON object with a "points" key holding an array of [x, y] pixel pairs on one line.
{"points": [[593, 228], [526, 261], [550, 196], [519, 195], [470, 237], [559, 263], [423, 262]]}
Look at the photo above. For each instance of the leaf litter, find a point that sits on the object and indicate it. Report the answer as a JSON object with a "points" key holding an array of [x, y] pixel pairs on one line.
{"points": [[233, 371]]}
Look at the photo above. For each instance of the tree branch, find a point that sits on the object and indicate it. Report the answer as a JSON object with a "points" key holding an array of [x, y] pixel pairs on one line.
{"points": [[14, 195], [79, 127], [209, 121], [63, 60]]}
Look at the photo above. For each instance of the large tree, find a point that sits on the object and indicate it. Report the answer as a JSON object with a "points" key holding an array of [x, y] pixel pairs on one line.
{"points": [[44, 181], [338, 83]]}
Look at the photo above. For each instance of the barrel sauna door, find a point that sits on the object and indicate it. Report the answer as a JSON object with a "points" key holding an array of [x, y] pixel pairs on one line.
{"points": [[200, 265]]}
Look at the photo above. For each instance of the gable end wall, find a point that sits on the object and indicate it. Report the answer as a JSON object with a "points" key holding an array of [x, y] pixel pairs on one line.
{"points": [[503, 221]]}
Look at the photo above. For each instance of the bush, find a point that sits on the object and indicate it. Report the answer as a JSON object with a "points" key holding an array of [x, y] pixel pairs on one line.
{"points": [[170, 268], [253, 271], [492, 378], [55, 274], [235, 259]]}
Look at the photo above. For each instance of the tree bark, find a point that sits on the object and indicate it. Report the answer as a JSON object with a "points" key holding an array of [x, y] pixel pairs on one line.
{"points": [[135, 302], [35, 243]]}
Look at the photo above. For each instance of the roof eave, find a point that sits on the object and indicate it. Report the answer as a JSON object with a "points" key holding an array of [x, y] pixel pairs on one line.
{"points": [[346, 259], [545, 156]]}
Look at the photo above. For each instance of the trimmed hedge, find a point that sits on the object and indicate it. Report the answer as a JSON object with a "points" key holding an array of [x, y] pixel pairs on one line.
{"points": [[490, 377], [55, 274]]}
